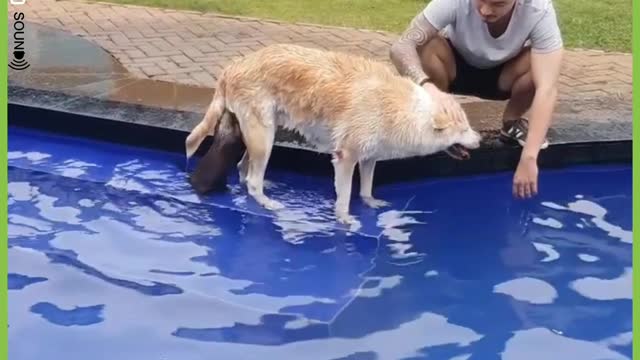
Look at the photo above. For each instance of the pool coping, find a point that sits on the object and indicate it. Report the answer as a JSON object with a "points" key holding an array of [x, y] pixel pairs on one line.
{"points": [[165, 129]]}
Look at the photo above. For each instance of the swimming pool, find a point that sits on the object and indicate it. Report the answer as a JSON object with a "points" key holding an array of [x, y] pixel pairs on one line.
{"points": [[111, 255]]}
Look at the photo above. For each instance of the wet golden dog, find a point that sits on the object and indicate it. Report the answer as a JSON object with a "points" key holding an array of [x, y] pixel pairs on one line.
{"points": [[355, 108]]}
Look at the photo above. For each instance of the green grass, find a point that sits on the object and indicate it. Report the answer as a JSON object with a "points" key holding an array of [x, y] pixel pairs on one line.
{"points": [[602, 24]]}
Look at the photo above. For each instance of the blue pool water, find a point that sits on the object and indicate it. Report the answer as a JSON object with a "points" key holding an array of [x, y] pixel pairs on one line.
{"points": [[111, 255]]}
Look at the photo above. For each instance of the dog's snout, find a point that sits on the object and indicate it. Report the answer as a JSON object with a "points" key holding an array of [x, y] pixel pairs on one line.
{"points": [[471, 139]]}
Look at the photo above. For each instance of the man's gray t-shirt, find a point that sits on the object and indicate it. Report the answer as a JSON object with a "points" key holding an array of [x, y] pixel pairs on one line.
{"points": [[533, 23]]}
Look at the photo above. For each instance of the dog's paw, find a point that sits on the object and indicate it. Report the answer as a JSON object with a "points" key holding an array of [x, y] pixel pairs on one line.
{"points": [[375, 203], [345, 218], [270, 204]]}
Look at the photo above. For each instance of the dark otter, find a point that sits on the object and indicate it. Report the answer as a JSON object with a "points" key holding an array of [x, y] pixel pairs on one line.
{"points": [[210, 175]]}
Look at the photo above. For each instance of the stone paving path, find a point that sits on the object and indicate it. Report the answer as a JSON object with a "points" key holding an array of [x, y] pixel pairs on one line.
{"points": [[192, 47]]}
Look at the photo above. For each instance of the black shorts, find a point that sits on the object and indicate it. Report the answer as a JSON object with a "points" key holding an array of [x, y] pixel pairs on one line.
{"points": [[482, 83]]}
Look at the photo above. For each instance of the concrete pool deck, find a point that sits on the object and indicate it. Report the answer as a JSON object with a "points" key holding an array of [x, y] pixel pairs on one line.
{"points": [[157, 68]]}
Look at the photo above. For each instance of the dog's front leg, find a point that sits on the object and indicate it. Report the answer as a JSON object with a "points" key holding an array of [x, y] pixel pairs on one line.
{"points": [[367, 168], [243, 167], [343, 164], [259, 141]]}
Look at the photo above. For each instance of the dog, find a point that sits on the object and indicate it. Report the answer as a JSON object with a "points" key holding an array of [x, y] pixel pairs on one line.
{"points": [[355, 108]]}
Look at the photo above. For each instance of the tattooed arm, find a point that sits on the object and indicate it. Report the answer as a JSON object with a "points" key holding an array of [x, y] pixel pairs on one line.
{"points": [[404, 52], [424, 27]]}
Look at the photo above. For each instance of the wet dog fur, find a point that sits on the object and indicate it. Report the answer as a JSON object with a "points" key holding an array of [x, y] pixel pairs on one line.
{"points": [[357, 109]]}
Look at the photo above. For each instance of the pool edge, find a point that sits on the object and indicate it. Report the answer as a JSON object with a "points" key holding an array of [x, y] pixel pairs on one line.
{"points": [[125, 124]]}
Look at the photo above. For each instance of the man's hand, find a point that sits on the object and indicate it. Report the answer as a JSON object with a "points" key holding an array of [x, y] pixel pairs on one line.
{"points": [[446, 103], [525, 180]]}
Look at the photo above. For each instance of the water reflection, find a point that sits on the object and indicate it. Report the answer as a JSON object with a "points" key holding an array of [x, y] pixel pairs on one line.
{"points": [[588, 258], [597, 213], [527, 289], [122, 259], [540, 343], [551, 253], [605, 289]]}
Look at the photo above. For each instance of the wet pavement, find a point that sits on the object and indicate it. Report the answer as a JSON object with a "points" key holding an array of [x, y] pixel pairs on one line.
{"points": [[69, 73], [71, 65]]}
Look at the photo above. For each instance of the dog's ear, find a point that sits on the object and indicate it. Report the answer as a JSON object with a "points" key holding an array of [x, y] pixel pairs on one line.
{"points": [[441, 121]]}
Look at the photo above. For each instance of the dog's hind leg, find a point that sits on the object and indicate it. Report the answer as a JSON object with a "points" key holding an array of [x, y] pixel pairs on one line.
{"points": [[367, 168], [243, 167], [259, 136], [344, 164]]}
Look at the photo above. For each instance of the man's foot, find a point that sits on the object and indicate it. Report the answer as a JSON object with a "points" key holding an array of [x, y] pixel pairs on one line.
{"points": [[515, 131]]}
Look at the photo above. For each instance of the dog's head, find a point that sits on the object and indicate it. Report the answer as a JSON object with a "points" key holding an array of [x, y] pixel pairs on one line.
{"points": [[456, 136], [226, 148]]}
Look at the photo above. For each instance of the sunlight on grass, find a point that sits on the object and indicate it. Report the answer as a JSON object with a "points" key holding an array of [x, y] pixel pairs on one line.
{"points": [[602, 24]]}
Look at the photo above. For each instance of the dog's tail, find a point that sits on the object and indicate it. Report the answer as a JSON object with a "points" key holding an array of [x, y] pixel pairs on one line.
{"points": [[209, 122]]}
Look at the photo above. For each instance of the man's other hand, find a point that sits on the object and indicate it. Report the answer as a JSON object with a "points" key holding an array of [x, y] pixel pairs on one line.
{"points": [[525, 180]]}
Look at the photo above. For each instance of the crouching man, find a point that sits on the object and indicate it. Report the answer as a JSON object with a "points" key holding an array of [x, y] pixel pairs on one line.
{"points": [[492, 49]]}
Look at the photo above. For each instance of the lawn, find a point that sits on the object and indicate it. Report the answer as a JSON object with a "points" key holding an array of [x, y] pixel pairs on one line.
{"points": [[602, 24]]}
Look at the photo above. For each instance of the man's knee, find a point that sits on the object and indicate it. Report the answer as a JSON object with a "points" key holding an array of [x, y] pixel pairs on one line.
{"points": [[438, 61], [523, 87], [516, 74]]}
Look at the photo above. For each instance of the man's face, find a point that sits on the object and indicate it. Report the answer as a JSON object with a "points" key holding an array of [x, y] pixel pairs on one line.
{"points": [[493, 10]]}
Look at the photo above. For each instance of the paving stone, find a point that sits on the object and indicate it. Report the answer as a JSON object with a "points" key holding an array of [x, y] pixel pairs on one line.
{"points": [[153, 70]]}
